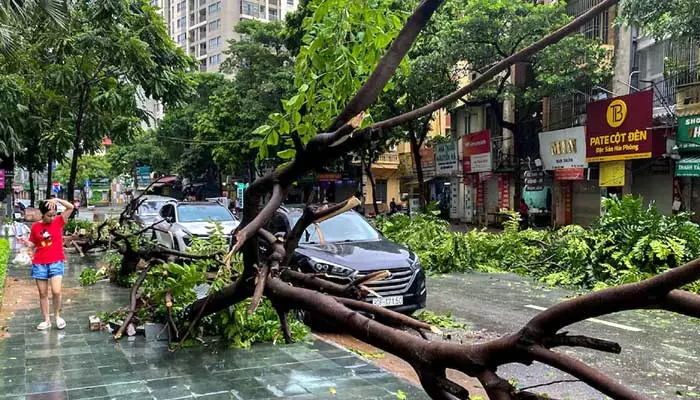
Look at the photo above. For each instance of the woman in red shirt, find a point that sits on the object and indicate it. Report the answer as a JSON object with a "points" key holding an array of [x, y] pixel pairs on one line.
{"points": [[48, 262]]}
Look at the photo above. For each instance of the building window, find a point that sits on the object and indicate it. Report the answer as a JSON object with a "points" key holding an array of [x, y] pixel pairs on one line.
{"points": [[380, 190], [181, 22], [181, 38], [290, 2], [215, 43], [181, 6], [214, 8], [274, 15], [215, 59], [214, 25], [252, 9], [154, 3]]}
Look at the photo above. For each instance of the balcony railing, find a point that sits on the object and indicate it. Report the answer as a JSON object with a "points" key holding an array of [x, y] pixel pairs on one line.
{"points": [[391, 158]]}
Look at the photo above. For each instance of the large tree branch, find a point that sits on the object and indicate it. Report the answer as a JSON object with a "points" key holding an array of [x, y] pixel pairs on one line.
{"points": [[576, 368]]}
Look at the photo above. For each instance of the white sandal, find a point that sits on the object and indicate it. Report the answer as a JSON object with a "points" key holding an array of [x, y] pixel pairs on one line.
{"points": [[60, 323], [43, 326]]}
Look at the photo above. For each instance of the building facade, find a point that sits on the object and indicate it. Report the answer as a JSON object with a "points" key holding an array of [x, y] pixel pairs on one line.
{"points": [[203, 27]]}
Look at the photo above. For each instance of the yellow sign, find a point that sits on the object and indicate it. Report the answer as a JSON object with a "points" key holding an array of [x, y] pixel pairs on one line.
{"points": [[612, 174], [617, 113]]}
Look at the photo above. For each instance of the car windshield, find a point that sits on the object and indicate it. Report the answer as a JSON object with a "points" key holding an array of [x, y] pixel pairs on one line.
{"points": [[203, 213], [151, 207], [347, 227]]}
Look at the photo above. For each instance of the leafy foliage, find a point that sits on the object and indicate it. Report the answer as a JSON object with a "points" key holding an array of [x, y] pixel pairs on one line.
{"points": [[262, 69], [442, 321], [88, 277], [4, 262], [663, 18], [75, 225], [184, 281], [627, 244], [343, 41], [90, 166]]}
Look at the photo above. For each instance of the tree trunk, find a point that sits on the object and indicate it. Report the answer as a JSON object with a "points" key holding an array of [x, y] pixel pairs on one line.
{"points": [[368, 171], [77, 148], [415, 150], [32, 195], [49, 171]]}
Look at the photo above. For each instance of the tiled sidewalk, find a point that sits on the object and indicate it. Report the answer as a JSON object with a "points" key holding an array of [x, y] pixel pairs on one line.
{"points": [[79, 364]]}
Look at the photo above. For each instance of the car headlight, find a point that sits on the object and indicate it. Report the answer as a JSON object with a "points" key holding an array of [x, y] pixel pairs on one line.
{"points": [[325, 267], [416, 262], [188, 240]]}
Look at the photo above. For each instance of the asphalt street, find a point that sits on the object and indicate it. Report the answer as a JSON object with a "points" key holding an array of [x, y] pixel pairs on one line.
{"points": [[660, 352]]}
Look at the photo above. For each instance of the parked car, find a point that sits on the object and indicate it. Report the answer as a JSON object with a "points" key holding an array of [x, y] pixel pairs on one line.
{"points": [[183, 221], [346, 247], [148, 212]]}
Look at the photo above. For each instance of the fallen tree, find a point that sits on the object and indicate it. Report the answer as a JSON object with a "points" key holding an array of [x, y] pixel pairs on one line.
{"points": [[266, 270]]}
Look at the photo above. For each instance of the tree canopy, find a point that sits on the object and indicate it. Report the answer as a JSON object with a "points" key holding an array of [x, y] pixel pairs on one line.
{"points": [[110, 51], [663, 18]]}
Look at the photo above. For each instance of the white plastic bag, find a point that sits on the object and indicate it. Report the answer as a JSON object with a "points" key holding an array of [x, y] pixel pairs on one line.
{"points": [[24, 257]]}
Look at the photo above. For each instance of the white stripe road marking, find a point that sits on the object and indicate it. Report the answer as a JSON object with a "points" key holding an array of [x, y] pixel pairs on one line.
{"points": [[596, 320]]}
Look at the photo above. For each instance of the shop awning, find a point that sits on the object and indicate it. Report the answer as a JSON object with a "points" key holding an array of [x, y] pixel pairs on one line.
{"points": [[688, 166], [168, 180]]}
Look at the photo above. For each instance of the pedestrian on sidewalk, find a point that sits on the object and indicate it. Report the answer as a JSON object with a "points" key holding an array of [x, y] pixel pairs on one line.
{"points": [[46, 237]]}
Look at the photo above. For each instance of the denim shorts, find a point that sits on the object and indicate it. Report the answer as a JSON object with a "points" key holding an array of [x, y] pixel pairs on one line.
{"points": [[47, 271]]}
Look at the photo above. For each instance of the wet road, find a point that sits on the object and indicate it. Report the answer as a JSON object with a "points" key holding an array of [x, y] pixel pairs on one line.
{"points": [[660, 350]]}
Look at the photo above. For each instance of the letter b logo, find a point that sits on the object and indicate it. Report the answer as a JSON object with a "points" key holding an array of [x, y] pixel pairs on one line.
{"points": [[617, 112]]}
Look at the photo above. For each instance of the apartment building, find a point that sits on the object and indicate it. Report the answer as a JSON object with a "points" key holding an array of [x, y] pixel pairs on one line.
{"points": [[203, 27]]}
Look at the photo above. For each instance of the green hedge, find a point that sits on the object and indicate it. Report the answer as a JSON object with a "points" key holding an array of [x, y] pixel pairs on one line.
{"points": [[630, 242], [4, 262]]}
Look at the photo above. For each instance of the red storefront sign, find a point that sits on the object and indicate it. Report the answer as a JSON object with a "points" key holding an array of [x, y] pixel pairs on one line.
{"points": [[568, 174], [618, 128], [477, 152], [328, 177], [427, 161], [504, 191]]}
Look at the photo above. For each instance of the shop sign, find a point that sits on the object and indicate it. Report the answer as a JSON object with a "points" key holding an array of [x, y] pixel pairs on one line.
{"points": [[504, 191], [689, 166], [427, 161], [406, 164], [612, 174], [446, 158], [688, 135], [2, 179], [569, 174], [564, 148], [618, 129], [329, 177], [534, 181], [477, 152]]}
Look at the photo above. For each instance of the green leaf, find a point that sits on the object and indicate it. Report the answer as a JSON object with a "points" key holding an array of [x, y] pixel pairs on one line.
{"points": [[286, 154], [273, 138]]}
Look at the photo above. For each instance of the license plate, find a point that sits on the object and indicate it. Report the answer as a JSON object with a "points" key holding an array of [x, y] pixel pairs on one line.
{"points": [[388, 301]]}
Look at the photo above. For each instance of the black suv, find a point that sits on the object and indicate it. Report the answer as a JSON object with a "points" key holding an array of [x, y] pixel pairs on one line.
{"points": [[346, 247]]}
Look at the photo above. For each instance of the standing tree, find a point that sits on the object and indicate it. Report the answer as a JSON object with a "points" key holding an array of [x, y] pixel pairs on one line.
{"points": [[177, 132], [262, 70], [144, 149], [429, 77], [109, 49]]}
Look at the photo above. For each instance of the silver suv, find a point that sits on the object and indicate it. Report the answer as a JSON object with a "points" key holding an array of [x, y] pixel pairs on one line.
{"points": [[183, 221]]}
